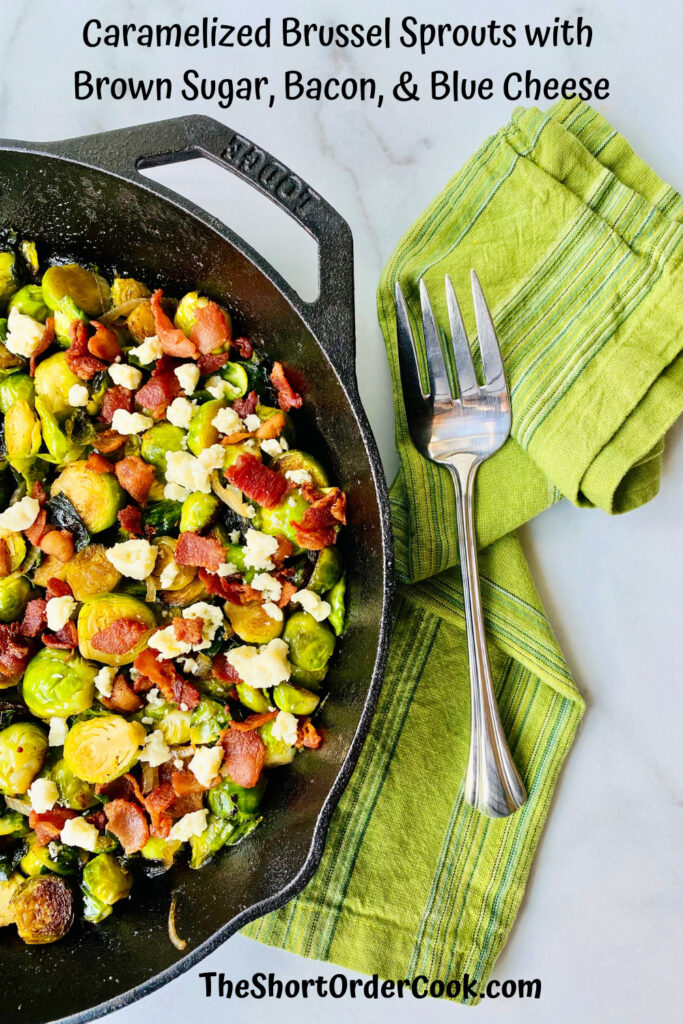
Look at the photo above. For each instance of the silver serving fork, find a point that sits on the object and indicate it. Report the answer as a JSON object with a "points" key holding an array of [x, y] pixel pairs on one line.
{"points": [[460, 433]]}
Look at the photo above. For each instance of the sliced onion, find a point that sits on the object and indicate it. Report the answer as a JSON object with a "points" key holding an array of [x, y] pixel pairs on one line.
{"points": [[150, 778], [18, 805], [122, 311], [172, 933], [151, 594], [232, 497]]}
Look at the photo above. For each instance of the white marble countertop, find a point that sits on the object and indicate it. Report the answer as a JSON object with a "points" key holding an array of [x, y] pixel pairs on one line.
{"points": [[601, 925]]}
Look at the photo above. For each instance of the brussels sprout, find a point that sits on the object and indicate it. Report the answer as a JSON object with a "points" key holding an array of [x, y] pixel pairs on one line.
{"points": [[251, 623], [278, 521], [53, 381], [293, 460], [16, 546], [90, 573], [64, 314], [97, 497], [43, 909], [236, 376], [233, 452], [294, 699], [15, 591], [166, 551], [208, 718], [106, 881], [38, 860], [9, 276], [277, 751], [211, 840], [30, 254], [29, 301], [228, 798], [311, 643], [336, 598], [202, 433], [73, 792], [57, 443], [49, 567], [198, 511], [58, 684], [158, 441], [187, 595], [304, 677], [327, 571], [163, 850], [8, 887], [255, 700], [103, 748], [22, 433], [140, 322], [17, 387], [23, 747], [13, 823], [99, 612], [173, 723], [164, 516], [87, 289], [124, 289], [186, 313]]}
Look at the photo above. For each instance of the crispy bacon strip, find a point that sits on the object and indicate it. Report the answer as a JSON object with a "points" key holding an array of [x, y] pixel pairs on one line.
{"points": [[188, 631], [104, 344], [231, 590], [210, 329], [260, 483], [165, 675], [246, 406], [212, 361], [289, 589], [172, 340], [193, 549], [244, 347], [244, 756], [130, 519], [186, 804], [287, 397], [57, 588], [307, 735], [157, 803], [78, 358], [108, 441], [253, 721], [184, 782], [49, 824], [127, 822], [99, 464], [116, 398], [223, 670], [44, 343], [120, 637], [136, 477], [162, 387], [35, 618], [65, 638], [15, 651], [38, 528], [317, 528], [123, 698]]}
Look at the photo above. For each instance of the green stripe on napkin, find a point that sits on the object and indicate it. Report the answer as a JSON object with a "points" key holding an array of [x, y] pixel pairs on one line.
{"points": [[578, 245]]}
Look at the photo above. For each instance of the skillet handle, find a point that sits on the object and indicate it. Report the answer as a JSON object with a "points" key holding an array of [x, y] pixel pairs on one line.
{"points": [[125, 151]]}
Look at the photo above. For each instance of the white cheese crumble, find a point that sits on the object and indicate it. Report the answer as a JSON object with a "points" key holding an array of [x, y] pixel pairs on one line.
{"points": [[205, 764], [189, 825], [130, 422], [273, 611], [21, 515], [188, 377], [155, 750], [312, 603], [271, 446], [258, 549], [270, 587], [154, 699], [146, 720], [134, 558], [261, 667], [285, 728], [186, 470], [104, 680], [78, 395], [43, 794], [252, 421], [226, 569], [191, 665], [126, 376], [169, 575], [227, 421], [57, 733], [299, 476], [174, 492], [235, 537], [59, 610], [148, 351], [166, 643], [219, 388], [180, 412], [213, 618], [24, 334], [179, 763], [212, 457], [79, 832]]}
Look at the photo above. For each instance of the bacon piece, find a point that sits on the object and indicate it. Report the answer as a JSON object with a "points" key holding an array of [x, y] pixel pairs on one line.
{"points": [[244, 756], [136, 477], [127, 822], [223, 670], [188, 631], [184, 781], [57, 588], [186, 804], [98, 819], [289, 589], [314, 540], [116, 398], [246, 406], [123, 698], [172, 340], [99, 464], [5, 561], [104, 344], [59, 543], [15, 651], [307, 735], [161, 389], [157, 803], [210, 329], [117, 789], [284, 550], [120, 637], [233, 591], [109, 441], [35, 618], [272, 427], [212, 361], [49, 824], [38, 528], [287, 398], [130, 519], [142, 684], [78, 358], [316, 529], [44, 343], [260, 483], [165, 675], [237, 437], [65, 638], [193, 549], [244, 347], [253, 721]]}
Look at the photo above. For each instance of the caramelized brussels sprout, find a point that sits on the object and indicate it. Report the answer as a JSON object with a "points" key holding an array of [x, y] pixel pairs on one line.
{"points": [[185, 574], [64, 313], [16, 546], [202, 433], [29, 301], [42, 909], [212, 839], [277, 751], [23, 747], [106, 882], [53, 381], [162, 850], [198, 511], [278, 521], [236, 376], [140, 322], [173, 723], [97, 497], [229, 798], [103, 748], [187, 595], [13, 823], [255, 700], [39, 859], [87, 289], [58, 683], [186, 313], [124, 289], [17, 387], [158, 441], [100, 612], [295, 699], [327, 570], [15, 591], [73, 792], [49, 567], [164, 516], [336, 598], [311, 643], [208, 719], [22, 433], [90, 573], [251, 623], [57, 443], [293, 460]]}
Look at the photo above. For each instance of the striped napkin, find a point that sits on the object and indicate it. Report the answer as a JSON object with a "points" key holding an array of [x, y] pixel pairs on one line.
{"points": [[578, 245]]}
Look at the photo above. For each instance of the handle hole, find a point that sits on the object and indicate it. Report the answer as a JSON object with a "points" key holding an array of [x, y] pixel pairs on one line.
{"points": [[267, 228]]}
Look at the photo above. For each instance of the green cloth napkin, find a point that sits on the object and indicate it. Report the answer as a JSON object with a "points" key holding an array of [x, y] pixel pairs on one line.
{"points": [[578, 245]]}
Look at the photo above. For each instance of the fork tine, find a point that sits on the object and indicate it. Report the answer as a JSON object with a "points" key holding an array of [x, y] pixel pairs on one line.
{"points": [[488, 342], [438, 378], [413, 392], [468, 384]]}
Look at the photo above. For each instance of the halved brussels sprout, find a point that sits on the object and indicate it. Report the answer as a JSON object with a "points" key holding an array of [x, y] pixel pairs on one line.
{"points": [[277, 751], [198, 511], [186, 314], [163, 850], [255, 700], [164, 516], [202, 433], [140, 322], [58, 683], [29, 301], [236, 376], [278, 521], [22, 432], [304, 677], [124, 289], [15, 591], [158, 441], [10, 276], [97, 497], [295, 699], [23, 747], [173, 723], [251, 623], [103, 748], [30, 254], [311, 643], [53, 380], [293, 460], [100, 612], [337, 600], [49, 567], [57, 443], [212, 839], [64, 314], [90, 573], [166, 551], [73, 792], [17, 387], [87, 289], [208, 719], [327, 570], [42, 909], [228, 797], [107, 881], [16, 546], [233, 452], [187, 595], [38, 859]]}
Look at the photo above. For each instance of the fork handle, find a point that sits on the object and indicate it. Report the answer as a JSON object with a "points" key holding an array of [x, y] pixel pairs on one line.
{"points": [[493, 785]]}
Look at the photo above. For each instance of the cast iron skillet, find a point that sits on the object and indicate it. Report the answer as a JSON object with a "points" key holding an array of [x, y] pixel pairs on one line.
{"points": [[85, 199]]}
